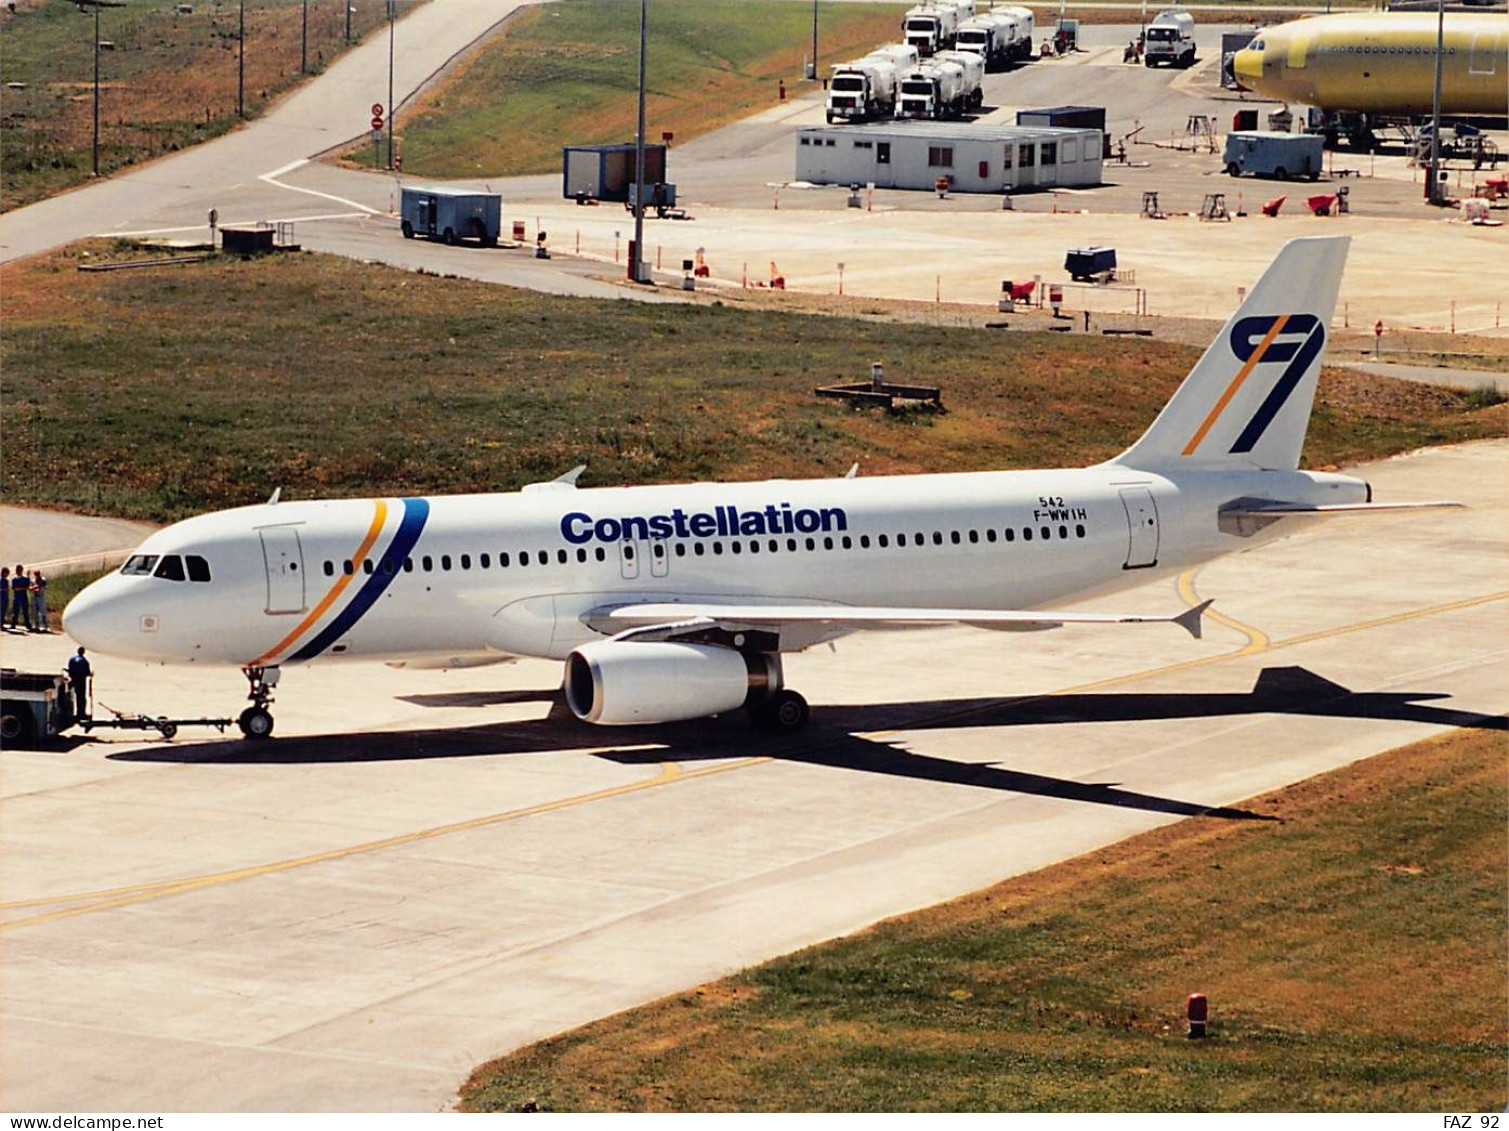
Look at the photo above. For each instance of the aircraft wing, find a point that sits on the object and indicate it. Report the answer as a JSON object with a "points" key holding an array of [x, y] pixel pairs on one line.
{"points": [[675, 617]]}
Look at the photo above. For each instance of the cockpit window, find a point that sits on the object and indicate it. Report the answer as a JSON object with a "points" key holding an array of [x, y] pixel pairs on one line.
{"points": [[199, 569], [140, 565], [1257, 45], [170, 568]]}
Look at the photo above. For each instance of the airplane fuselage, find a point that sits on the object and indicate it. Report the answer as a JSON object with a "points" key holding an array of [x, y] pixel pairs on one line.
{"points": [[1382, 62], [521, 573]]}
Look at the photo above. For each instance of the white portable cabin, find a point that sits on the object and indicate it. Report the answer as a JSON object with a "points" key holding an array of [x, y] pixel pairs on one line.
{"points": [[975, 157]]}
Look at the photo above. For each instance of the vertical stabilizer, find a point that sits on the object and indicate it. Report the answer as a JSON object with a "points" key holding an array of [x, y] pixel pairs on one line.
{"points": [[1246, 403]]}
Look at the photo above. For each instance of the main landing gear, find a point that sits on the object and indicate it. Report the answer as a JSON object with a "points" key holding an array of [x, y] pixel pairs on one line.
{"points": [[783, 712], [256, 721]]}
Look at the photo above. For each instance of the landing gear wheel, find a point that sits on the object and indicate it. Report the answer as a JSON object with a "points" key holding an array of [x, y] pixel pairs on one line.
{"points": [[785, 712], [255, 723]]}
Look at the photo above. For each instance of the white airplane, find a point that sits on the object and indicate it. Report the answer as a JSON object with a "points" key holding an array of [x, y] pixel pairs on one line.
{"points": [[677, 602]]}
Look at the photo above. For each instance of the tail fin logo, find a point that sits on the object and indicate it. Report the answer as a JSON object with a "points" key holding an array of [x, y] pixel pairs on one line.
{"points": [[1291, 340]]}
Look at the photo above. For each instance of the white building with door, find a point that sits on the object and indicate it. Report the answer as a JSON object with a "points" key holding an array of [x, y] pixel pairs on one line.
{"points": [[975, 157]]}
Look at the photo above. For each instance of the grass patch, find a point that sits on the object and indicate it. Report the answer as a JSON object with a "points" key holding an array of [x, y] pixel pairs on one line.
{"points": [[160, 394], [169, 82], [567, 74], [1354, 953]]}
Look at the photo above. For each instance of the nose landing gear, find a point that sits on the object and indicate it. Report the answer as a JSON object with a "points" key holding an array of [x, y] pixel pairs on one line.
{"points": [[256, 721]]}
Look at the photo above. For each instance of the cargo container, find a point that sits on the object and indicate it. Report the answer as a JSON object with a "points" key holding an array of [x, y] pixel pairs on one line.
{"points": [[450, 214], [606, 172]]}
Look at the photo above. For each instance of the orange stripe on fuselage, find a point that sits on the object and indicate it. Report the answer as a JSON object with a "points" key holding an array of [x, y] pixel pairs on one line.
{"points": [[336, 590], [1236, 383]]}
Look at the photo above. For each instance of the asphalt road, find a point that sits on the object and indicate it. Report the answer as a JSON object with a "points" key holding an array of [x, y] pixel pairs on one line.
{"points": [[427, 869], [331, 109]]}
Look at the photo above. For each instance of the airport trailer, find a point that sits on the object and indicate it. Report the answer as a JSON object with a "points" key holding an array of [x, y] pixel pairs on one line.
{"points": [[451, 214], [1270, 154]]}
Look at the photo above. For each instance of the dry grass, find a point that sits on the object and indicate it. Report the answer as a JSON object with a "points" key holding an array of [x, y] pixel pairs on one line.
{"points": [[566, 75], [165, 393], [1354, 952], [170, 81]]}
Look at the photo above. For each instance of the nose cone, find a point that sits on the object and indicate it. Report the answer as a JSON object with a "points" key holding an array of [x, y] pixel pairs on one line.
{"points": [[1248, 67], [96, 619]]}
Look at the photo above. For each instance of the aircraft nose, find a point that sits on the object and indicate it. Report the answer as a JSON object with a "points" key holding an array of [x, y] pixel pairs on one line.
{"points": [[1248, 66], [93, 618]]}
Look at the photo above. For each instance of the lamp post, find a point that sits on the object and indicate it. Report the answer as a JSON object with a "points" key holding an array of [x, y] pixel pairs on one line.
{"points": [[241, 59], [813, 75], [85, 5], [636, 261], [348, 21], [392, 110], [304, 42], [1433, 189], [96, 90]]}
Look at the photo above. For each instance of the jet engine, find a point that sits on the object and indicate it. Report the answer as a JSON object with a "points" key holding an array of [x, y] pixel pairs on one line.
{"points": [[615, 682]]}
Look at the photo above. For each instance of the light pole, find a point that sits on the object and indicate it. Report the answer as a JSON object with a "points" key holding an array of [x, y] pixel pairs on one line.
{"points": [[84, 5], [241, 59], [636, 261], [96, 90], [813, 75], [348, 21], [1433, 189], [304, 42], [392, 110]]}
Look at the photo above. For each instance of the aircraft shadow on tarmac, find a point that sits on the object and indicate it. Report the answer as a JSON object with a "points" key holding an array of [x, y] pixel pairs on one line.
{"points": [[835, 738]]}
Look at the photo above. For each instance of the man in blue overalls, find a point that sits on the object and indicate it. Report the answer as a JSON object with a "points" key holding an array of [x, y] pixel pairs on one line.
{"points": [[20, 597], [79, 673]]}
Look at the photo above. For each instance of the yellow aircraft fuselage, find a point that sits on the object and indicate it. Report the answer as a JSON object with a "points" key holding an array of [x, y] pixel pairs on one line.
{"points": [[1382, 62]]}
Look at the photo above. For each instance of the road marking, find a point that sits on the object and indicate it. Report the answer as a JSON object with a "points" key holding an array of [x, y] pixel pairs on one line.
{"points": [[670, 772], [229, 224], [124, 897], [272, 179]]}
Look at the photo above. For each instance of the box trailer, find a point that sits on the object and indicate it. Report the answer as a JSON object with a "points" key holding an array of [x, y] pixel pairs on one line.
{"points": [[1089, 264], [1266, 153], [450, 214], [606, 172]]}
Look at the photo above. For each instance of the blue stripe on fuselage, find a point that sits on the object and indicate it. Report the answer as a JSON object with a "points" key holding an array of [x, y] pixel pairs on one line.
{"points": [[415, 513]]}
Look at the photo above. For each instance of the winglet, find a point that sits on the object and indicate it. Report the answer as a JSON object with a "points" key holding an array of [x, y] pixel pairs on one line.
{"points": [[1189, 620]]}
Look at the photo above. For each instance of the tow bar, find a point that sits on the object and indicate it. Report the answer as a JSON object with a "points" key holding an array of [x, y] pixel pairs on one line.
{"points": [[166, 727]]}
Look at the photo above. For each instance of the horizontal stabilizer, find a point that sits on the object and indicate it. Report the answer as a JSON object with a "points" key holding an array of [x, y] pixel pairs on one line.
{"points": [[1278, 508]]}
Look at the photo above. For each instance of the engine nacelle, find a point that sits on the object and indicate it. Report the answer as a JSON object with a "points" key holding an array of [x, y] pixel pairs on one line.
{"points": [[616, 683]]}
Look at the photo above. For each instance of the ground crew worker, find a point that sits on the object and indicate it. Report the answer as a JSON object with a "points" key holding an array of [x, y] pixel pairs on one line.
{"points": [[39, 599], [20, 598], [4, 593], [79, 675]]}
